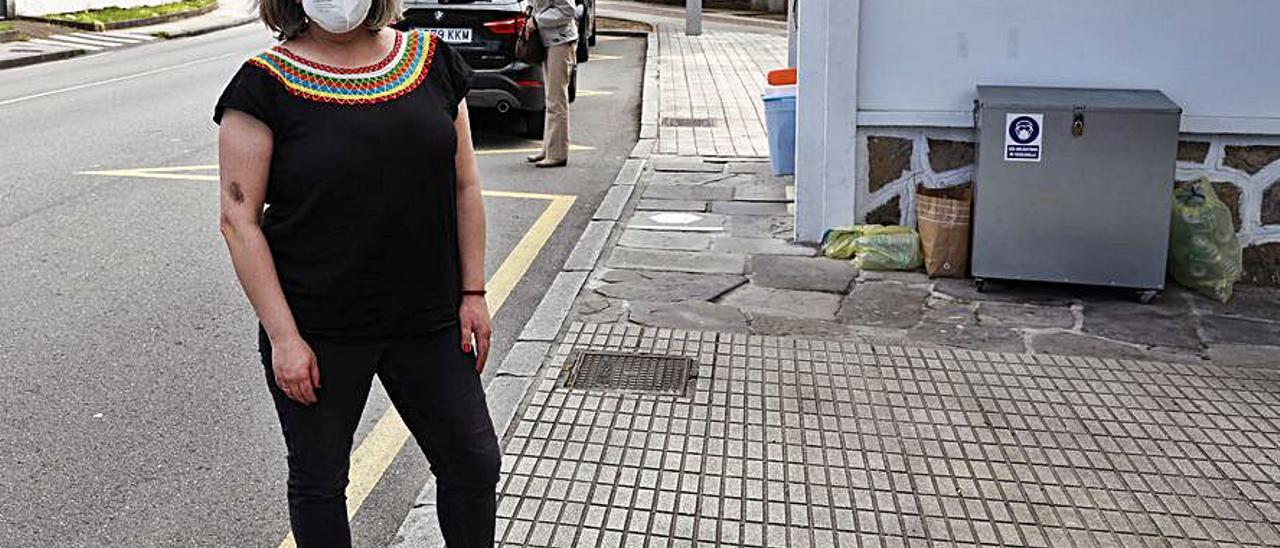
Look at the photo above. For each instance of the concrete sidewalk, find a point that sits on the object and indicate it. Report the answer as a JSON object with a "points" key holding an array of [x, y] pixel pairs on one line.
{"points": [[230, 13], [929, 423]]}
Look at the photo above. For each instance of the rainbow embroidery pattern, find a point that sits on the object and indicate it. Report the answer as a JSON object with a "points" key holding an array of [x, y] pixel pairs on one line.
{"points": [[399, 73]]}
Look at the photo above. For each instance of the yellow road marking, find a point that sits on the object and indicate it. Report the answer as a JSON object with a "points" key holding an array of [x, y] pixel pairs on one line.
{"points": [[529, 150], [592, 93], [387, 437], [150, 174], [604, 57], [177, 171]]}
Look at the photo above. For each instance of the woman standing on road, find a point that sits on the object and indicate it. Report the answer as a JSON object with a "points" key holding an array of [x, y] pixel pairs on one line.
{"points": [[558, 23], [369, 259]]}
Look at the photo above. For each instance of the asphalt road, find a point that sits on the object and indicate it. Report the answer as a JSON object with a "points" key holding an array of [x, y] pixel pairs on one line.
{"points": [[134, 407]]}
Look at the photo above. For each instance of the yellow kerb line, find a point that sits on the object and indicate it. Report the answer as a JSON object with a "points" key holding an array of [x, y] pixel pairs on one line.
{"points": [[529, 150], [381, 445]]}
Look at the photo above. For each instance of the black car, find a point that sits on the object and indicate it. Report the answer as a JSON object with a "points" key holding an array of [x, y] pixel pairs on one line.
{"points": [[484, 32]]}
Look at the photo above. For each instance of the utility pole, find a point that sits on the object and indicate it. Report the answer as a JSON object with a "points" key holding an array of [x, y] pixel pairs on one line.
{"points": [[793, 29], [693, 17]]}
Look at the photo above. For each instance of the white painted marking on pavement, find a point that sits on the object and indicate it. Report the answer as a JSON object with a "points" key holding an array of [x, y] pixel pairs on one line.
{"points": [[113, 40], [134, 35], [64, 45], [78, 87], [81, 41]]}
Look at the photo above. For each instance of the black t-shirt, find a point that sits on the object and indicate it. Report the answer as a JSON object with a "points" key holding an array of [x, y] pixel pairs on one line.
{"points": [[361, 199]]}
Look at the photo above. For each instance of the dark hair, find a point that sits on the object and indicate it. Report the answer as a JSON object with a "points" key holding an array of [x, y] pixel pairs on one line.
{"points": [[287, 19]]}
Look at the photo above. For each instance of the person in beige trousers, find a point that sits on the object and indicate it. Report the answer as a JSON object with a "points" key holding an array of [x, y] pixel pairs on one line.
{"points": [[558, 25]]}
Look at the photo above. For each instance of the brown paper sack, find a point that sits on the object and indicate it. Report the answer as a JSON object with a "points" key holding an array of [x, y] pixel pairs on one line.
{"points": [[943, 219]]}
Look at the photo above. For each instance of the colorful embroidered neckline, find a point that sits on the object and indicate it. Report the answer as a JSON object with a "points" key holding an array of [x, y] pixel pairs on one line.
{"points": [[400, 72]]}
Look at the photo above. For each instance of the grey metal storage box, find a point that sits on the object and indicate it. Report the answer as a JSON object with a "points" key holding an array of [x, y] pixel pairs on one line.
{"points": [[1074, 185]]}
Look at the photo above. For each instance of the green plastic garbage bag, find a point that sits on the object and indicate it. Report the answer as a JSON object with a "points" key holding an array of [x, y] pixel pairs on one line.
{"points": [[899, 250], [838, 243], [1204, 253]]}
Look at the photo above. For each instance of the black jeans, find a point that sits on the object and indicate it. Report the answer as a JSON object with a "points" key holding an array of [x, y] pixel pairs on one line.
{"points": [[436, 389]]}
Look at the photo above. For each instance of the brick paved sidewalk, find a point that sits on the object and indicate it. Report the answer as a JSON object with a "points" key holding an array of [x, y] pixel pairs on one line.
{"points": [[796, 443], [710, 88]]}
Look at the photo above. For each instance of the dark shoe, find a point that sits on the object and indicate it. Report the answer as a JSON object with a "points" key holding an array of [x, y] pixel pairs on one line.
{"points": [[551, 163], [534, 158]]}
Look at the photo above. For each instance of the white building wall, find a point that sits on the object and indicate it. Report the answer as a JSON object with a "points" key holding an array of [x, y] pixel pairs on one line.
{"points": [[919, 60]]}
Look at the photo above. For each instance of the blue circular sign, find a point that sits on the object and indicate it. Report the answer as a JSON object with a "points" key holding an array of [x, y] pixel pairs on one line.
{"points": [[1024, 130]]}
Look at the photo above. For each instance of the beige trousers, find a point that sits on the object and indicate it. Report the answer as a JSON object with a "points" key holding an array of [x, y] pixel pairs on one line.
{"points": [[556, 71]]}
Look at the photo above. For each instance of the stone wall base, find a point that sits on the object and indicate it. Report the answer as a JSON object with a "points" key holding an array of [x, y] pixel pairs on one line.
{"points": [[1245, 171]]}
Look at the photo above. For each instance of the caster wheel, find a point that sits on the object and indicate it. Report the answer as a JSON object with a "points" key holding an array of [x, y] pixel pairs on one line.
{"points": [[1145, 297], [981, 285]]}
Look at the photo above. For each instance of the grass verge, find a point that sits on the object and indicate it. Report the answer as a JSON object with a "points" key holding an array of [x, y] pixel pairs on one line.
{"points": [[115, 15]]}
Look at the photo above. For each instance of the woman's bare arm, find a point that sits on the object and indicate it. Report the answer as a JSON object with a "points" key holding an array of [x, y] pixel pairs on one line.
{"points": [[474, 314], [244, 160]]}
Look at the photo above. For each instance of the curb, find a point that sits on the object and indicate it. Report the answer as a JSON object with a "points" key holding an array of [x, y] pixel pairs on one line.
{"points": [[515, 376], [203, 30], [9, 35], [40, 58]]}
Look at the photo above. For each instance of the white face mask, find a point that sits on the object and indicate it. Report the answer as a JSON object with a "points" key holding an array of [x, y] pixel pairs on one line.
{"points": [[337, 16]]}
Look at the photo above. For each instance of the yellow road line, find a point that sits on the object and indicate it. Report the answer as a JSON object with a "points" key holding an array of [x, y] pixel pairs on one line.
{"points": [[521, 258], [142, 174], [604, 57], [176, 172], [157, 174], [592, 93], [529, 150]]}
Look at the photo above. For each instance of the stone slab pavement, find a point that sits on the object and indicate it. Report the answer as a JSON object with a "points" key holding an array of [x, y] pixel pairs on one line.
{"points": [[695, 220]]}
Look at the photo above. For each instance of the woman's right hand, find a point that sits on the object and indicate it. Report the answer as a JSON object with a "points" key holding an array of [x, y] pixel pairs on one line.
{"points": [[296, 369]]}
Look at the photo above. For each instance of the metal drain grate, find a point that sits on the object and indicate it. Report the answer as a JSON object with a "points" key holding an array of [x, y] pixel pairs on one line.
{"points": [[688, 122], [627, 371]]}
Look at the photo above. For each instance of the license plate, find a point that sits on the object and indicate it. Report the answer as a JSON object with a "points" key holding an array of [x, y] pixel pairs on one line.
{"points": [[453, 36]]}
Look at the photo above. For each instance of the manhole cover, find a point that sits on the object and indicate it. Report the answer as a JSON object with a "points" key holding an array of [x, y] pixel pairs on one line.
{"points": [[626, 371], [688, 122]]}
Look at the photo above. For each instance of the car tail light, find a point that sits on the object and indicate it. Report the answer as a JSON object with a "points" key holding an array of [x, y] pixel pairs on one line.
{"points": [[506, 26], [529, 83]]}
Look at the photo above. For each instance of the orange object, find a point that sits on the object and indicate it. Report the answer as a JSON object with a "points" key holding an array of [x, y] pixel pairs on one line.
{"points": [[782, 77]]}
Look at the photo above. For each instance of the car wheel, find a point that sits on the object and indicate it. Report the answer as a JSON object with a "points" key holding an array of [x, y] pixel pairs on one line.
{"points": [[592, 40], [535, 123], [573, 86], [584, 52]]}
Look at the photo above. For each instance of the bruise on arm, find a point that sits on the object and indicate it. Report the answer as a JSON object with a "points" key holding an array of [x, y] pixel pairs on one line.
{"points": [[233, 190]]}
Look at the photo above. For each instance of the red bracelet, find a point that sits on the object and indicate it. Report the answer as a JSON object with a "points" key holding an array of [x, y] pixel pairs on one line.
{"points": [[474, 292]]}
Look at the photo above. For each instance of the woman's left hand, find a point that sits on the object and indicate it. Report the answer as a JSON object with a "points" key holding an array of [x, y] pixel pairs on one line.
{"points": [[474, 317]]}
